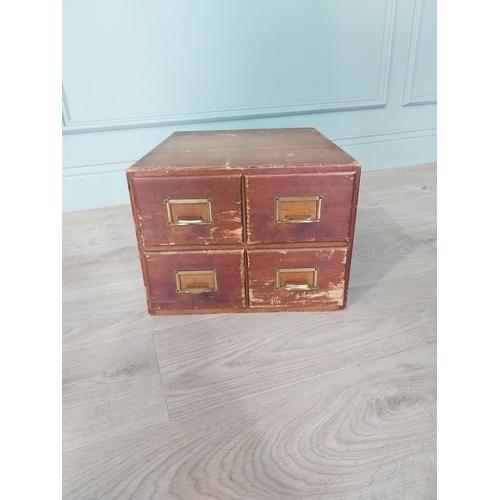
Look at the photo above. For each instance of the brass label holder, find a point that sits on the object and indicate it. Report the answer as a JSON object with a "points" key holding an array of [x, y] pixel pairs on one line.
{"points": [[298, 286], [299, 218], [189, 220], [196, 289]]}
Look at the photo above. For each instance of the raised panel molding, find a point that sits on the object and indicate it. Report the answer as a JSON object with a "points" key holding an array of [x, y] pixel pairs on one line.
{"points": [[97, 168], [66, 117], [71, 126], [106, 167], [411, 98], [400, 135]]}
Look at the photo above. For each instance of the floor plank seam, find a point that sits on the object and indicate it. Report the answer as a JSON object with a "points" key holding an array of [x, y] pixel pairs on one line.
{"points": [[210, 408], [177, 420], [71, 349], [130, 246], [161, 377]]}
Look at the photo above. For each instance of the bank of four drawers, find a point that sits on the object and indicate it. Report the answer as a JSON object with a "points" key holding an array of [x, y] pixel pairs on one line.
{"points": [[230, 242]]}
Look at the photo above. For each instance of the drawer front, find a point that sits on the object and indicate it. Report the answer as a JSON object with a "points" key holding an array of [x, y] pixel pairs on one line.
{"points": [[299, 207], [296, 278], [196, 280], [188, 210]]}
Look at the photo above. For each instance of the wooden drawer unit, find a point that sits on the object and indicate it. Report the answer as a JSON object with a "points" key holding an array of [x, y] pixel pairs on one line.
{"points": [[188, 210], [297, 278], [299, 208], [245, 221], [196, 280]]}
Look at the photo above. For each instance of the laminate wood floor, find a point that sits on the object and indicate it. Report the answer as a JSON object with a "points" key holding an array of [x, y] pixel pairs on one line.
{"points": [[338, 405]]}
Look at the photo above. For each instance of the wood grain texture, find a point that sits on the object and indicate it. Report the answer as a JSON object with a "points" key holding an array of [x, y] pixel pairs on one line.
{"points": [[225, 193], [100, 269], [230, 269], [216, 364], [110, 313], [336, 207], [394, 240], [233, 148], [391, 186], [100, 229], [362, 433], [330, 287], [111, 388]]}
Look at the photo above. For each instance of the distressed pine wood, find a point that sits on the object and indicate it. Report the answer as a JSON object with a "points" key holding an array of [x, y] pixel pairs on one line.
{"points": [[365, 432], [189, 165], [330, 264], [242, 148], [337, 190], [228, 265], [152, 215]]}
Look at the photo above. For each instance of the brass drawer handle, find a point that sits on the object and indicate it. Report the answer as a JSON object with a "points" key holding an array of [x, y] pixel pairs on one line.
{"points": [[285, 205], [302, 218], [198, 289], [196, 282], [311, 273], [297, 286], [175, 219], [184, 221]]}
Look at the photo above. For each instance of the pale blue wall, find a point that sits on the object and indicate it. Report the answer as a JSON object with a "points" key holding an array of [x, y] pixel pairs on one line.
{"points": [[363, 72]]}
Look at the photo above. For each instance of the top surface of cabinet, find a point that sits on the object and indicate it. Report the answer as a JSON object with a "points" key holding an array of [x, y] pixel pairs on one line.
{"points": [[245, 148]]}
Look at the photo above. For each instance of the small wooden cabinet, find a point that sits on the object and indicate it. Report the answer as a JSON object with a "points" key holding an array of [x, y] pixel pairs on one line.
{"points": [[245, 221]]}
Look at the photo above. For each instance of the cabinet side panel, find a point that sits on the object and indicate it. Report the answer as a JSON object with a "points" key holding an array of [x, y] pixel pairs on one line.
{"points": [[140, 245], [352, 229]]}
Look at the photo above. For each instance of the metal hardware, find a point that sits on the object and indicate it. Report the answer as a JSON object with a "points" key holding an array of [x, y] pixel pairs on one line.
{"points": [[196, 289], [189, 220], [297, 285], [299, 218]]}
